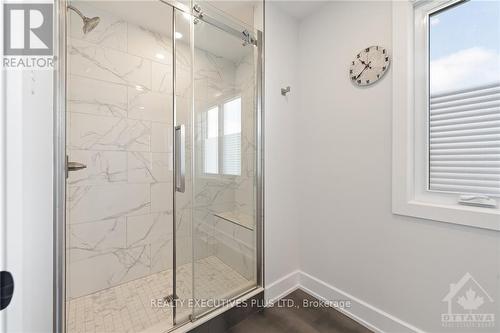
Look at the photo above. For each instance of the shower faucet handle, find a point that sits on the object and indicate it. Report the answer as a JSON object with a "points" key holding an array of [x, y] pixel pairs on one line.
{"points": [[75, 166]]}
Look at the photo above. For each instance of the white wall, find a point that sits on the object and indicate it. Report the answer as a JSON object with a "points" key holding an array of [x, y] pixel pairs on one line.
{"points": [[29, 226], [349, 238], [26, 247], [281, 227]]}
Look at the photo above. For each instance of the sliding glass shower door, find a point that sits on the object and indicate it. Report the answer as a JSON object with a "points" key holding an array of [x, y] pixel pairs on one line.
{"points": [[216, 151]]}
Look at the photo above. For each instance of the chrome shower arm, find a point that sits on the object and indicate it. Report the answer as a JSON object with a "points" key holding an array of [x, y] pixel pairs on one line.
{"points": [[76, 11]]}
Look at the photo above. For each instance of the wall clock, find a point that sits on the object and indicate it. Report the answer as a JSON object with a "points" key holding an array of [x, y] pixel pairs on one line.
{"points": [[369, 65]]}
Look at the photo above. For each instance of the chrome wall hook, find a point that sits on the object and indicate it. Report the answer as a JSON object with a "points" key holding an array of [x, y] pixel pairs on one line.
{"points": [[285, 91]]}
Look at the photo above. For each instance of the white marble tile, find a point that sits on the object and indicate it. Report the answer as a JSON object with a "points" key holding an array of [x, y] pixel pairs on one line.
{"points": [[93, 61], [210, 274], [162, 167], [148, 105], [111, 31], [91, 239], [184, 250], [150, 44], [213, 192], [214, 76], [108, 133], [162, 78], [183, 113], [183, 83], [140, 167], [235, 245], [161, 138], [245, 265], [127, 307], [150, 228], [161, 255], [146, 167], [203, 243], [183, 55], [161, 197], [107, 270], [96, 97], [102, 167], [93, 203], [184, 211], [245, 76]]}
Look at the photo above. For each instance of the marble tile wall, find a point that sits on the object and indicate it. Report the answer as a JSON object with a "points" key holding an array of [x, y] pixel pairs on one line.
{"points": [[119, 125]]}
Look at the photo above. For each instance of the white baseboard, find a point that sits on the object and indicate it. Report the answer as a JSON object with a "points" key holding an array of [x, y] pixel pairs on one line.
{"points": [[360, 311], [282, 287]]}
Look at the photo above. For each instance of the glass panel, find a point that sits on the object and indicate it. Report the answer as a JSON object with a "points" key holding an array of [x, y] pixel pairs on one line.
{"points": [[224, 233], [119, 208], [183, 200], [464, 46]]}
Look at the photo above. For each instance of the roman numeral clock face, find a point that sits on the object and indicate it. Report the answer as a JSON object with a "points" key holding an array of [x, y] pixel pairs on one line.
{"points": [[369, 65]]}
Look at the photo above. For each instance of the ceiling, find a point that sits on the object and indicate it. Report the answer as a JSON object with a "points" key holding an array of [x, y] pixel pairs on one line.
{"points": [[299, 9]]}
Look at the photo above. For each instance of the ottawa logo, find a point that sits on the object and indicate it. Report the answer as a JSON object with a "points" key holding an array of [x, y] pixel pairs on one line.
{"points": [[466, 300]]}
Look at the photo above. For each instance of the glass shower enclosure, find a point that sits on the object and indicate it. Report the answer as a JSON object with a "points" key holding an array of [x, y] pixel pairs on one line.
{"points": [[162, 199]]}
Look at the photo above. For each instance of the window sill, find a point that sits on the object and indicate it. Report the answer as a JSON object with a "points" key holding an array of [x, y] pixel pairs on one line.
{"points": [[486, 218]]}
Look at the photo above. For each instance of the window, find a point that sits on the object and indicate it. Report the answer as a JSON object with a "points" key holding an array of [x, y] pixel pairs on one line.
{"points": [[232, 137], [446, 111], [211, 143], [464, 98], [222, 133]]}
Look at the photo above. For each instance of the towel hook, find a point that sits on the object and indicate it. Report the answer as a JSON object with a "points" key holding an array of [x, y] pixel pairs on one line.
{"points": [[285, 91]]}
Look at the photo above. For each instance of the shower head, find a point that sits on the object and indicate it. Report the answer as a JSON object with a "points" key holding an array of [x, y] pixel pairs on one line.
{"points": [[89, 23]]}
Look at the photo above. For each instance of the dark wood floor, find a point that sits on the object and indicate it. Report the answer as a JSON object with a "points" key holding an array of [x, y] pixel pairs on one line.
{"points": [[298, 319]]}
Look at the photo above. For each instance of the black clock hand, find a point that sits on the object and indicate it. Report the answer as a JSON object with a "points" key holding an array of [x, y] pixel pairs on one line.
{"points": [[366, 66], [364, 63]]}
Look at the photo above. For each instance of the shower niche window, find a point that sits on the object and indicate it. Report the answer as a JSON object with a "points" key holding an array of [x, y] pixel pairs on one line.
{"points": [[136, 71], [222, 139]]}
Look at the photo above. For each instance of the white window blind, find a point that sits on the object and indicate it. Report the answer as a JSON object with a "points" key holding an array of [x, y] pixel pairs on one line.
{"points": [[222, 139], [464, 142], [232, 138], [211, 144]]}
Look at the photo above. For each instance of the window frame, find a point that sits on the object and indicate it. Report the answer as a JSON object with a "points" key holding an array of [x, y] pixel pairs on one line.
{"points": [[220, 138], [410, 176]]}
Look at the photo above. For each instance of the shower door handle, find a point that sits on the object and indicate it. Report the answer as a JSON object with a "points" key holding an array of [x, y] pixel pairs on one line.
{"points": [[180, 158]]}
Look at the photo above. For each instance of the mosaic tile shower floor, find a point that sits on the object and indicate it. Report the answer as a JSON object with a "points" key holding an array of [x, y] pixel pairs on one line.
{"points": [[128, 307]]}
